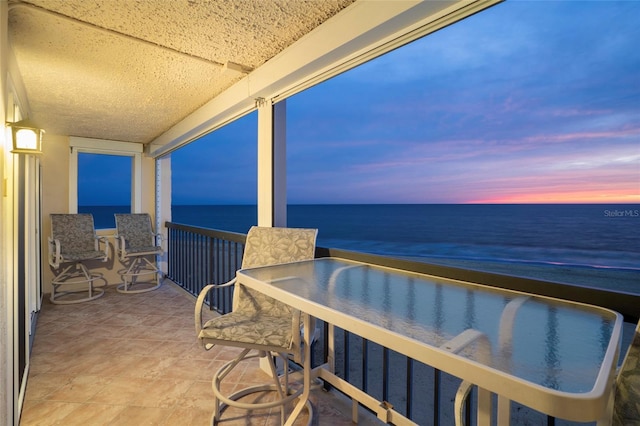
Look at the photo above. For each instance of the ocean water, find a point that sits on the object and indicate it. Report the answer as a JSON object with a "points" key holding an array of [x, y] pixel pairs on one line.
{"points": [[591, 237], [587, 235]]}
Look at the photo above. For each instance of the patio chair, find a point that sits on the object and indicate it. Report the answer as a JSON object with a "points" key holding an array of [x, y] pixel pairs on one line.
{"points": [[260, 325], [73, 241], [135, 244]]}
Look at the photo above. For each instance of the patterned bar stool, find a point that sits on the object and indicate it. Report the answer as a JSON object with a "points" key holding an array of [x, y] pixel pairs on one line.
{"points": [[259, 324], [135, 244]]}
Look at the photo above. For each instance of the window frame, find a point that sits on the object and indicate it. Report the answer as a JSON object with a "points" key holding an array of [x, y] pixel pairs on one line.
{"points": [[101, 146]]}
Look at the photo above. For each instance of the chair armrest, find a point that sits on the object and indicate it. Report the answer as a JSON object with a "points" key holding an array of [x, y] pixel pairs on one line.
{"points": [[200, 302], [120, 247], [54, 252], [107, 250]]}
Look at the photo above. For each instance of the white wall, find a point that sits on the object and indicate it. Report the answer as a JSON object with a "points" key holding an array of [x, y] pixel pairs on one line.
{"points": [[6, 312]]}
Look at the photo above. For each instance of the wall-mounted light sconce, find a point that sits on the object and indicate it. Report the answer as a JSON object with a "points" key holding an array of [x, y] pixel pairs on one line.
{"points": [[27, 139]]}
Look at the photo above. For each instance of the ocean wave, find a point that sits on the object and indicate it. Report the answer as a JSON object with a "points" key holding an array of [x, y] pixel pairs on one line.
{"points": [[588, 259]]}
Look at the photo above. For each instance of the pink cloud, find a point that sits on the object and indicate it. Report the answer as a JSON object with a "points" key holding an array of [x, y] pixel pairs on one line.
{"points": [[564, 137]]}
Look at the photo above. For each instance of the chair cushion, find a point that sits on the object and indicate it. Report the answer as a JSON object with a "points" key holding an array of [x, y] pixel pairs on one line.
{"points": [[136, 230], [237, 328], [75, 232], [270, 246], [145, 250], [85, 255], [253, 302], [257, 320]]}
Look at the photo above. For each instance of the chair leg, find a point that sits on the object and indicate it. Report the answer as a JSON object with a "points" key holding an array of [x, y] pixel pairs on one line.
{"points": [[278, 386], [286, 396], [139, 267], [74, 275]]}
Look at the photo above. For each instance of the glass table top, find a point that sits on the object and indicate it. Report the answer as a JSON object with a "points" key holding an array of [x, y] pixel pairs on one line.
{"points": [[556, 344]]}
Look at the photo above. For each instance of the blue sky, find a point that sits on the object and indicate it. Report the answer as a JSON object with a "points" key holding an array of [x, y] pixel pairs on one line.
{"points": [[526, 102]]}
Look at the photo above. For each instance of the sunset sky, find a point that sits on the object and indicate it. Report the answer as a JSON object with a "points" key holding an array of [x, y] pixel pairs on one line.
{"points": [[528, 102]]}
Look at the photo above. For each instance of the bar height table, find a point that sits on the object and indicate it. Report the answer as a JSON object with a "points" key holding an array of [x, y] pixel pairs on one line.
{"points": [[555, 356]]}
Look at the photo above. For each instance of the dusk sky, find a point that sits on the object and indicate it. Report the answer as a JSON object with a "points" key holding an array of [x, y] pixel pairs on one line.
{"points": [[528, 102]]}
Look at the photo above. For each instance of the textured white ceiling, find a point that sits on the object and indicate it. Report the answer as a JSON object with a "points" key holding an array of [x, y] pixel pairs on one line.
{"points": [[128, 70]]}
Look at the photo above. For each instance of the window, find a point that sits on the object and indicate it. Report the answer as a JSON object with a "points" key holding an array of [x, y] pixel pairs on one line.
{"points": [[104, 187], [104, 181], [220, 168]]}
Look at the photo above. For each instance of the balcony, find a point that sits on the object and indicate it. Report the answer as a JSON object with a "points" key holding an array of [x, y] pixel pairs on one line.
{"points": [[419, 392], [132, 359], [147, 117]]}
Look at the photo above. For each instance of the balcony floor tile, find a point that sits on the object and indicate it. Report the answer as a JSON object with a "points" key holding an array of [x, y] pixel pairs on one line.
{"points": [[131, 359]]}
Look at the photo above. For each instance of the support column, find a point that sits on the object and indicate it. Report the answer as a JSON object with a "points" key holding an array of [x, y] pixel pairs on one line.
{"points": [[163, 205], [272, 159], [272, 173]]}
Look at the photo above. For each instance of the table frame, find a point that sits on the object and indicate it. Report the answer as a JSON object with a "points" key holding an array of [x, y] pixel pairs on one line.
{"points": [[591, 406]]}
